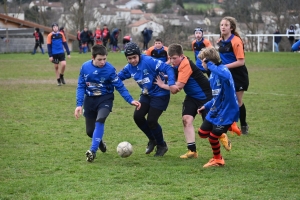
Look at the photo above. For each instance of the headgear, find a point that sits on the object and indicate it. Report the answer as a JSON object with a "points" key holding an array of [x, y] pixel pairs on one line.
{"points": [[132, 49]]}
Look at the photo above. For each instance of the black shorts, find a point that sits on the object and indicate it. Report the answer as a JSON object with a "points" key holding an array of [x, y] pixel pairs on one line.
{"points": [[190, 105], [92, 105], [215, 129], [58, 58], [240, 78], [160, 102]]}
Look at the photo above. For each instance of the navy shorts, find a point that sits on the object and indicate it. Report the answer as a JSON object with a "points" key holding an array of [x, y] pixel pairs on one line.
{"points": [[240, 78], [160, 102], [190, 105], [92, 105], [215, 129], [58, 58]]}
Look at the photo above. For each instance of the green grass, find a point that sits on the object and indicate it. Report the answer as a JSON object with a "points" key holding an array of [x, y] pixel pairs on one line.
{"points": [[199, 6], [42, 145]]}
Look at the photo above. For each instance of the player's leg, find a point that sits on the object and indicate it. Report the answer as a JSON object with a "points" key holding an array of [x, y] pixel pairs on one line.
{"points": [[157, 106], [213, 139], [141, 122], [63, 63]]}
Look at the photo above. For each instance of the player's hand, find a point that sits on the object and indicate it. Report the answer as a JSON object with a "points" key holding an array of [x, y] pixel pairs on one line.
{"points": [[78, 112], [174, 89], [199, 110], [50, 59], [159, 81], [69, 56], [137, 104]]}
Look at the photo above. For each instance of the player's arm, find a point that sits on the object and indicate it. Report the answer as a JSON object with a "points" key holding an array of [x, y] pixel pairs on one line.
{"points": [[238, 50], [65, 44], [49, 44]]}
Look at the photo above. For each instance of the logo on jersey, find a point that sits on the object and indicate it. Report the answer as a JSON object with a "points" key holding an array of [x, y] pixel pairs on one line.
{"points": [[145, 71]]}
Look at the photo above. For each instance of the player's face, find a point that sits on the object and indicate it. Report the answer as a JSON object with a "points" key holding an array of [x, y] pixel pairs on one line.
{"points": [[198, 35], [158, 45], [175, 60], [225, 27], [133, 60], [55, 28], [99, 60]]}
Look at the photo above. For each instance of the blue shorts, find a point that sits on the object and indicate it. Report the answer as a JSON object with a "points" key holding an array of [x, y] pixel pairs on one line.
{"points": [[160, 102], [92, 105]]}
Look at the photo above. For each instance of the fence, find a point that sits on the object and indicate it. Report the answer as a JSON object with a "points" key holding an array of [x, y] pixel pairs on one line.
{"points": [[256, 42]]}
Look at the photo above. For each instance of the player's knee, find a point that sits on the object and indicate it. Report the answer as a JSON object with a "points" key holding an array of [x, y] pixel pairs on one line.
{"points": [[101, 119], [152, 124], [202, 133]]}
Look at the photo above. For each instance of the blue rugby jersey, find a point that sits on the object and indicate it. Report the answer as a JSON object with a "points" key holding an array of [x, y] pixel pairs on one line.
{"points": [[145, 73], [56, 42], [223, 109], [96, 81], [196, 84]]}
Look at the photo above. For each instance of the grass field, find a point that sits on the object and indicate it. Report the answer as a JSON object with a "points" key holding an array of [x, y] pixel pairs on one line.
{"points": [[42, 145]]}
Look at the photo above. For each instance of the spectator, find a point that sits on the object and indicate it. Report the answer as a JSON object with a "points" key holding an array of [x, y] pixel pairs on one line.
{"points": [[277, 39], [91, 40], [62, 30], [79, 41], [98, 35], [291, 31], [105, 34], [297, 32], [39, 40], [147, 35], [84, 37], [114, 39], [126, 39]]}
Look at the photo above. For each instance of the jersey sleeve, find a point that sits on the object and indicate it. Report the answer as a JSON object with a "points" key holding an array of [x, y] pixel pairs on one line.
{"points": [[184, 71], [148, 51], [238, 47], [124, 73]]}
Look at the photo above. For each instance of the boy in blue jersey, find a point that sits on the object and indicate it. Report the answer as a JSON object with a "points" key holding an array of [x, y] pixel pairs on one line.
{"points": [[56, 42], [95, 93], [223, 109], [154, 100], [196, 86]]}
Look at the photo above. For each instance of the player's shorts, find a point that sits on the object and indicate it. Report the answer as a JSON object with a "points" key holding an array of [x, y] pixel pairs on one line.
{"points": [[58, 58], [240, 78], [190, 105], [91, 105], [160, 102], [215, 129]]}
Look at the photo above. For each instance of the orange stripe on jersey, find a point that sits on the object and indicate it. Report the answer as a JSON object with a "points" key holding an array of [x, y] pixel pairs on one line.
{"points": [[148, 51], [49, 38], [238, 47], [184, 71]]}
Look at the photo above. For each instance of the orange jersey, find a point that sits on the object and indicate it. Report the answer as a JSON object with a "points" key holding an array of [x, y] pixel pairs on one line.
{"points": [[160, 54]]}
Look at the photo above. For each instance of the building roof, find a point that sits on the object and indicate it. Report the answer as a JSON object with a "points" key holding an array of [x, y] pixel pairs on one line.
{"points": [[138, 23], [28, 24]]}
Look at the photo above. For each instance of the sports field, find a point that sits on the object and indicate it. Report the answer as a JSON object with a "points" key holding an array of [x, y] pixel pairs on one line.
{"points": [[42, 145]]}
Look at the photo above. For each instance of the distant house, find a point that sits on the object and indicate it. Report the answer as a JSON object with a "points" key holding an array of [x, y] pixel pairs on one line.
{"points": [[149, 3], [129, 4], [24, 40], [138, 27], [45, 5]]}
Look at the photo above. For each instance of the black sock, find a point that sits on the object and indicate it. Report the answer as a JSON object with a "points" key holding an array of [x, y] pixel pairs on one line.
{"points": [[243, 115], [192, 146]]}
